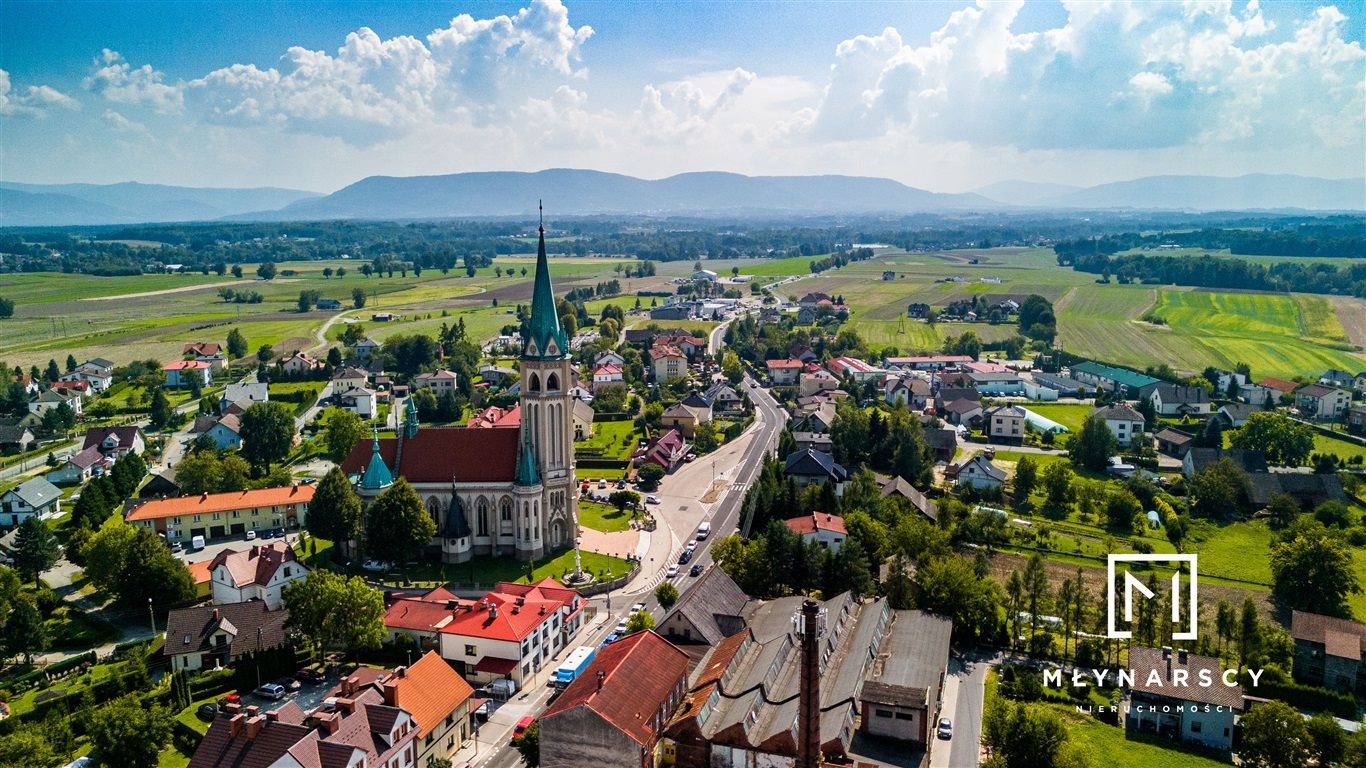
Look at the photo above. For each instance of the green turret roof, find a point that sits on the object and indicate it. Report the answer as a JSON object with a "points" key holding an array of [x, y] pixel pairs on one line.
{"points": [[545, 320], [527, 473], [410, 418], [377, 475]]}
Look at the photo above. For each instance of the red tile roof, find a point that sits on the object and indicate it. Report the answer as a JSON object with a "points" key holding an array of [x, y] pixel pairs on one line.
{"points": [[493, 416], [181, 365], [1341, 637], [419, 615], [443, 454], [817, 521], [642, 676], [794, 364], [429, 690], [222, 502], [512, 611], [256, 565], [1280, 385]]}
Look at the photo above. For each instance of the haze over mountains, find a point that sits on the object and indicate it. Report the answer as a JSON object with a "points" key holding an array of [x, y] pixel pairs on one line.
{"points": [[586, 192]]}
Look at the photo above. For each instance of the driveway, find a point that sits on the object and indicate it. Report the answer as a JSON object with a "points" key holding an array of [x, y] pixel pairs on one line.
{"points": [[964, 695]]}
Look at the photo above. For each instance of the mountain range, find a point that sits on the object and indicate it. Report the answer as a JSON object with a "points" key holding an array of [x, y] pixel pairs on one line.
{"points": [[587, 192]]}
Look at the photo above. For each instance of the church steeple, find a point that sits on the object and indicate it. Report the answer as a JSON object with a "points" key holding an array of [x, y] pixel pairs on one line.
{"points": [[544, 327], [377, 475]]}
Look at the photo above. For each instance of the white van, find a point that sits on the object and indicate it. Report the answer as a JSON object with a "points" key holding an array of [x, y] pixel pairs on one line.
{"points": [[703, 531], [197, 543]]}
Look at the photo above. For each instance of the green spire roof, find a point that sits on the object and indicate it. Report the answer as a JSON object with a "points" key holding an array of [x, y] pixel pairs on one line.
{"points": [[526, 466], [410, 418], [545, 320], [377, 475]]}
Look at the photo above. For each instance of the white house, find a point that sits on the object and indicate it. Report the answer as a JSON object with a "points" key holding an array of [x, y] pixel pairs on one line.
{"points": [[512, 632], [1319, 401], [98, 378], [609, 357], [1175, 400], [439, 382], [50, 399], [301, 362], [978, 472], [1125, 423], [182, 372], [211, 352], [1161, 702], [33, 497], [78, 467], [365, 348], [259, 573], [783, 372], [823, 528], [606, 373], [349, 378], [360, 401]]}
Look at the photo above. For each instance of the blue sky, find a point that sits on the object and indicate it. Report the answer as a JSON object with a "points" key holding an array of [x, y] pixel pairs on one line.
{"points": [[944, 96]]}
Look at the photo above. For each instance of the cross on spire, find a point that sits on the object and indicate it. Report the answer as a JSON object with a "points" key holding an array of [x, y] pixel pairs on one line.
{"points": [[541, 210]]}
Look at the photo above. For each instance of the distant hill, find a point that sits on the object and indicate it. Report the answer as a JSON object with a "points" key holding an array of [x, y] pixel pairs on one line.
{"points": [[583, 192], [131, 202], [1026, 193], [1197, 193]]}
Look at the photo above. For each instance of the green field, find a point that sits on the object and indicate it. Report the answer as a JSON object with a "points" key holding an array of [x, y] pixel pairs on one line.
{"points": [[1069, 415], [603, 517], [1112, 746], [1237, 550]]}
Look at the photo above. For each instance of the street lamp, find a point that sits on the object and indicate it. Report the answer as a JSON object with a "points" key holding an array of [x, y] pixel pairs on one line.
{"points": [[152, 616]]}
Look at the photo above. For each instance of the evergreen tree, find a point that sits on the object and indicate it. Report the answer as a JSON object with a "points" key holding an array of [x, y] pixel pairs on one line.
{"points": [[160, 412], [24, 631], [70, 363], [335, 512], [35, 548]]}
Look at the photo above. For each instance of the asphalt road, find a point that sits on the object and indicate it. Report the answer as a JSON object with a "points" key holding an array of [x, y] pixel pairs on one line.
{"points": [[964, 693]]}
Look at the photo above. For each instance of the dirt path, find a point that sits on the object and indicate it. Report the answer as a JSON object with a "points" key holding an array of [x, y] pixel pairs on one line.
{"points": [[1066, 299], [1351, 313], [182, 289]]}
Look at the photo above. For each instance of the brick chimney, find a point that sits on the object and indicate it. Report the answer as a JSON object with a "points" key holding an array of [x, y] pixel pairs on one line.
{"points": [[232, 709], [601, 677], [254, 726], [215, 615], [252, 711], [273, 716], [390, 690], [346, 705], [235, 724]]}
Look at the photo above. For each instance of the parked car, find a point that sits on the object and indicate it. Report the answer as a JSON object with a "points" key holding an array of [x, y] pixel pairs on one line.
{"points": [[672, 572], [207, 712], [612, 638], [651, 499], [637, 608], [692, 545], [177, 547], [311, 676], [690, 457], [620, 628], [270, 691], [945, 729], [696, 570], [289, 684], [374, 566], [602, 483], [251, 535]]}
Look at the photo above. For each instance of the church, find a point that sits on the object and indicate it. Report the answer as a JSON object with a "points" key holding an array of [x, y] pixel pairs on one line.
{"points": [[503, 491]]}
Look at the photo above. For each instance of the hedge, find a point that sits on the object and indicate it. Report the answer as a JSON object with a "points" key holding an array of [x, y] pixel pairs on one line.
{"points": [[1308, 697]]}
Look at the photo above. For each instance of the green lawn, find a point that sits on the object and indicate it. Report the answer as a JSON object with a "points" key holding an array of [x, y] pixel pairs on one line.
{"points": [[1344, 449], [610, 440], [487, 570], [1067, 414], [1111, 746], [1235, 550], [70, 629], [603, 517]]}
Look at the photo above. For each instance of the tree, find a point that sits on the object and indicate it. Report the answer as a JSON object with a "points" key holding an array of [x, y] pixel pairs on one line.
{"points": [[1283, 509], [1057, 483], [160, 412], [35, 548], [1281, 438], [129, 733], [649, 475], [1327, 742], [623, 499], [397, 527], [24, 631], [265, 353], [52, 373], [1120, 508], [236, 270], [529, 745], [327, 272], [267, 433], [1036, 591], [1249, 633], [237, 344], [1274, 736], [1093, 445], [639, 622], [91, 508], [1026, 477], [667, 594], [336, 611], [948, 585], [150, 570], [344, 429], [70, 363], [335, 512], [1312, 571], [6, 308], [730, 366], [1221, 490], [358, 294], [306, 299], [266, 271]]}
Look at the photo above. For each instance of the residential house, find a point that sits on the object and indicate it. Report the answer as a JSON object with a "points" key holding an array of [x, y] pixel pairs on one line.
{"points": [[438, 699], [1329, 651], [301, 363], [1125, 423], [614, 713], [215, 515], [724, 398], [15, 438], [31, 497], [360, 401], [943, 443], [212, 636], [668, 363], [245, 394], [79, 467], [825, 529], [495, 374], [805, 316], [900, 698], [1174, 442], [964, 411], [977, 472], [815, 467], [1335, 377], [687, 414], [78, 389], [810, 383], [349, 377], [211, 352], [910, 391], [816, 440], [607, 373], [813, 298], [226, 432], [917, 310], [641, 336], [712, 610], [182, 373], [1359, 382], [1176, 400], [667, 450], [51, 399], [896, 485], [1234, 415], [1174, 708], [354, 729], [1278, 388], [997, 383], [366, 348], [814, 416], [513, 631], [687, 343], [1225, 379], [803, 353], [30, 385], [99, 378], [162, 485], [493, 416], [1005, 423], [1321, 402], [440, 382], [1356, 421], [329, 304], [1200, 459], [609, 357], [854, 368], [115, 442], [583, 420], [259, 573], [1128, 384], [783, 373]]}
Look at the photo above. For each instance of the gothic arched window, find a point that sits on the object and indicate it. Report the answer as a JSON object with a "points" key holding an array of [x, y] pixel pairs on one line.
{"points": [[482, 515]]}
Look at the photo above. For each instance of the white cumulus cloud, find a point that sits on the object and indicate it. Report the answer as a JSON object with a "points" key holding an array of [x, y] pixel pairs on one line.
{"points": [[112, 77], [34, 101]]}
